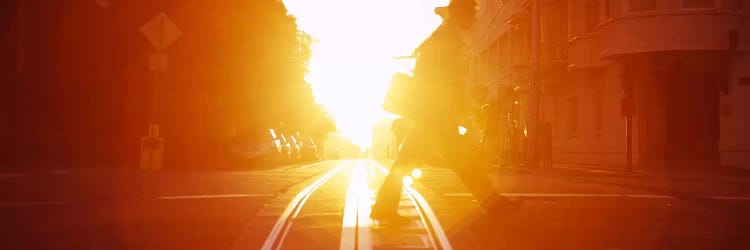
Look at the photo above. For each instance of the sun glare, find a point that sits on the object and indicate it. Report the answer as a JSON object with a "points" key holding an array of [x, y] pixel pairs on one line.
{"points": [[353, 56]]}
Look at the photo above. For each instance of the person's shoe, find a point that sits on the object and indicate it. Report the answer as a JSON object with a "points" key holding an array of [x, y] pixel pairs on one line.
{"points": [[389, 217]]}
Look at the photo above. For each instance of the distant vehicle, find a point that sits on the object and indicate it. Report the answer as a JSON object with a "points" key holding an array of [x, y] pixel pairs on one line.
{"points": [[308, 150], [261, 147], [294, 148], [286, 148]]}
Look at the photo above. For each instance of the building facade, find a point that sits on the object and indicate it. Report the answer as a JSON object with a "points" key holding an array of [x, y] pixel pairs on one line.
{"points": [[685, 62]]}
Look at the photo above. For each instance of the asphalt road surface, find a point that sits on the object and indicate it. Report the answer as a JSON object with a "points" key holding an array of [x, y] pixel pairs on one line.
{"points": [[326, 205]]}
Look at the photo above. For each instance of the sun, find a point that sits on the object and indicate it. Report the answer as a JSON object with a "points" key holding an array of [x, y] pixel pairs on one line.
{"points": [[354, 54]]}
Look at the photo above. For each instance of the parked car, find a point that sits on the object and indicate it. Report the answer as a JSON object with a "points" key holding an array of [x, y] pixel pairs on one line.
{"points": [[295, 147], [286, 148], [276, 140], [308, 150], [260, 147]]}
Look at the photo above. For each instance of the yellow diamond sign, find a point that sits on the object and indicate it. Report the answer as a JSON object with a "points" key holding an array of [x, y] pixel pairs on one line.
{"points": [[161, 31]]}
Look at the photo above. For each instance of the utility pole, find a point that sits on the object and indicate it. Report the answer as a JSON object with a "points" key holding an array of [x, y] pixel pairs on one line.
{"points": [[532, 123], [628, 111]]}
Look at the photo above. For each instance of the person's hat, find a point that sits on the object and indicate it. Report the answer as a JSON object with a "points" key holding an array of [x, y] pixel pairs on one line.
{"points": [[442, 11]]}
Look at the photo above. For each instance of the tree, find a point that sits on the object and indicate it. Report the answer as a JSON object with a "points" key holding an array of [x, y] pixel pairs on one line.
{"points": [[321, 123]]}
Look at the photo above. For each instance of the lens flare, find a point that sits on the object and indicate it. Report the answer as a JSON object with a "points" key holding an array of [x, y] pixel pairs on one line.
{"points": [[416, 173], [461, 130], [407, 180]]}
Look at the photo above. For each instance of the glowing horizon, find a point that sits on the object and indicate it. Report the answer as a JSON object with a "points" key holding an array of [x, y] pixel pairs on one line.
{"points": [[353, 56]]}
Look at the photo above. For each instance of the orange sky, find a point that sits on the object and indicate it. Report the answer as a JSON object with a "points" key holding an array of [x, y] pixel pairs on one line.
{"points": [[352, 60]]}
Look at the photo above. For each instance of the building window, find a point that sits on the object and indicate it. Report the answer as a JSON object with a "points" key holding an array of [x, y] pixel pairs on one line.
{"points": [[592, 16], [738, 5], [477, 68], [597, 108], [698, 4], [492, 55], [483, 65], [572, 32], [609, 7], [572, 121], [502, 52], [520, 45], [641, 5]]}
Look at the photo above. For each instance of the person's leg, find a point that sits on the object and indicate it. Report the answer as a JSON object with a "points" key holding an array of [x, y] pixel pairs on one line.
{"points": [[389, 195], [472, 168]]}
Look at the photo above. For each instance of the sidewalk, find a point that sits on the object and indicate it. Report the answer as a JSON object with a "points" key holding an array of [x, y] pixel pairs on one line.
{"points": [[693, 174]]}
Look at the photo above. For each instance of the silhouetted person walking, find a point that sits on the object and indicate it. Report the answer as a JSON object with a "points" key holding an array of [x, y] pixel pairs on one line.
{"points": [[435, 106]]}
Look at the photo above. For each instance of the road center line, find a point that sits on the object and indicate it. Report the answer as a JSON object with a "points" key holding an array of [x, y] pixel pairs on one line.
{"points": [[13, 175], [312, 165], [32, 203], [212, 196], [356, 225]]}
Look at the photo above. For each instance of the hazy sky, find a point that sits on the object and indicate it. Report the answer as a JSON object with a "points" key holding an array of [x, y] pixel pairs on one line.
{"points": [[352, 61]]}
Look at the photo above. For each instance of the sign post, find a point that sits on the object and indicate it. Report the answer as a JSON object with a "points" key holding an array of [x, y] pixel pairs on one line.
{"points": [[160, 31]]}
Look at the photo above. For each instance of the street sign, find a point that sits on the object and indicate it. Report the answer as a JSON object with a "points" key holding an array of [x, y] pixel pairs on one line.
{"points": [[161, 31]]}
